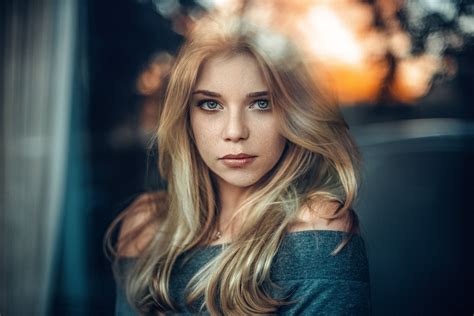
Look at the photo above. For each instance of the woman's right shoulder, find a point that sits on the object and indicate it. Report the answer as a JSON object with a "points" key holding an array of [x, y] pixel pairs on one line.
{"points": [[141, 221]]}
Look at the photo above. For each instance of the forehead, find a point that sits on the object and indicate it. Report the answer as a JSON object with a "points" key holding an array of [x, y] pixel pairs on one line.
{"points": [[239, 72]]}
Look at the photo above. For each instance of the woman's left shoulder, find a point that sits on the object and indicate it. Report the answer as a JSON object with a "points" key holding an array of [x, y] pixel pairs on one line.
{"points": [[312, 274], [321, 215], [312, 254], [322, 245], [318, 282]]}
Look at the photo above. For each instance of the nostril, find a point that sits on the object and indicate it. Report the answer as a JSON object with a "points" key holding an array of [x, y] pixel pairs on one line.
{"points": [[236, 129]]}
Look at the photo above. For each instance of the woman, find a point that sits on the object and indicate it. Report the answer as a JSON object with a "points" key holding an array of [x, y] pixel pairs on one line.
{"points": [[261, 174]]}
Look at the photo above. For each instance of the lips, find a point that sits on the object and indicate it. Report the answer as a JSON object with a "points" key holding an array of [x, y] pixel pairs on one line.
{"points": [[238, 161], [238, 156]]}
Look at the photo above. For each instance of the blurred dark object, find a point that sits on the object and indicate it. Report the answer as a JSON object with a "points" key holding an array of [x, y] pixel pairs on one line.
{"points": [[416, 215]]}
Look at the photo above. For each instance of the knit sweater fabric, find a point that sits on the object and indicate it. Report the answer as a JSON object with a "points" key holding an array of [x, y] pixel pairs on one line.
{"points": [[320, 283]]}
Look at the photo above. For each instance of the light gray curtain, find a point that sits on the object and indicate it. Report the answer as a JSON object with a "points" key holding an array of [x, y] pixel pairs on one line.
{"points": [[37, 43]]}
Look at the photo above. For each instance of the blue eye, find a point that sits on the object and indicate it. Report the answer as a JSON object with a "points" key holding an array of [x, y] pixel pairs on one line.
{"points": [[209, 105], [262, 105]]}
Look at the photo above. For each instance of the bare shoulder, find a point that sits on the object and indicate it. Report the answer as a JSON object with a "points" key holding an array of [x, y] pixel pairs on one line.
{"points": [[140, 223], [321, 215]]}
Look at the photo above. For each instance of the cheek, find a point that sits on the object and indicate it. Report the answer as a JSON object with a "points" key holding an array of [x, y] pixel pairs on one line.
{"points": [[270, 138], [204, 133], [276, 146]]}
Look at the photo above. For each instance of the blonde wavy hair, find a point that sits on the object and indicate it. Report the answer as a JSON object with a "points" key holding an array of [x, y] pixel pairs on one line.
{"points": [[320, 163]]}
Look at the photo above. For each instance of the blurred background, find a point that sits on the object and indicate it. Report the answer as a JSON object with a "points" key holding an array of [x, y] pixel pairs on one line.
{"points": [[79, 89]]}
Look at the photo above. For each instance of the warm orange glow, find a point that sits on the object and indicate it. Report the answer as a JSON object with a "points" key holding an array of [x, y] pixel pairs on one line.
{"points": [[150, 84], [413, 77], [151, 79], [342, 38], [340, 44], [355, 84]]}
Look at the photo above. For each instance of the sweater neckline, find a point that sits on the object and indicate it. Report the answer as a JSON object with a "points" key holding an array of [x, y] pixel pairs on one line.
{"points": [[294, 234]]}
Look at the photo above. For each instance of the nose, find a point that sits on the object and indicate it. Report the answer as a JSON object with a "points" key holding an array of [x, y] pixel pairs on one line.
{"points": [[236, 128]]}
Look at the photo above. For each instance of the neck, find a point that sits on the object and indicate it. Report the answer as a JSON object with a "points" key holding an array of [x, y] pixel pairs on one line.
{"points": [[230, 197]]}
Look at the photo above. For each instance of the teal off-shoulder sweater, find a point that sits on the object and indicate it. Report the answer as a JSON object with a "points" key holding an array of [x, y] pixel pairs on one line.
{"points": [[321, 284]]}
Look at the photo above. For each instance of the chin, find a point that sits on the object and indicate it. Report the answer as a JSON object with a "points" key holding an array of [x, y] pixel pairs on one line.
{"points": [[239, 181]]}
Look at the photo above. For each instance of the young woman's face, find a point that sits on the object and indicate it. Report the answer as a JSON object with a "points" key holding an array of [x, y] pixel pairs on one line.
{"points": [[235, 128]]}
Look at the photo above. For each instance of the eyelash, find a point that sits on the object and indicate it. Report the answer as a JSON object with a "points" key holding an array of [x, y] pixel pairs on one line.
{"points": [[202, 102]]}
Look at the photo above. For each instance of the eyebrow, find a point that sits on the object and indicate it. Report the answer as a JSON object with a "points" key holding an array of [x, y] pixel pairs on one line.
{"points": [[217, 95]]}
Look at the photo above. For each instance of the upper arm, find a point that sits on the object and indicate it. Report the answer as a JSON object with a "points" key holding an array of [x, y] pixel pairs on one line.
{"points": [[140, 224], [322, 215]]}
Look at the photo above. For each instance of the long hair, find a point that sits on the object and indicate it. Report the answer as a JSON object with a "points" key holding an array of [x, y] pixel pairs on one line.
{"points": [[319, 163]]}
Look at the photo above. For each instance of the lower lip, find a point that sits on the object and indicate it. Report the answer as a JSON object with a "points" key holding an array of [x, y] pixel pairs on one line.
{"points": [[238, 163]]}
